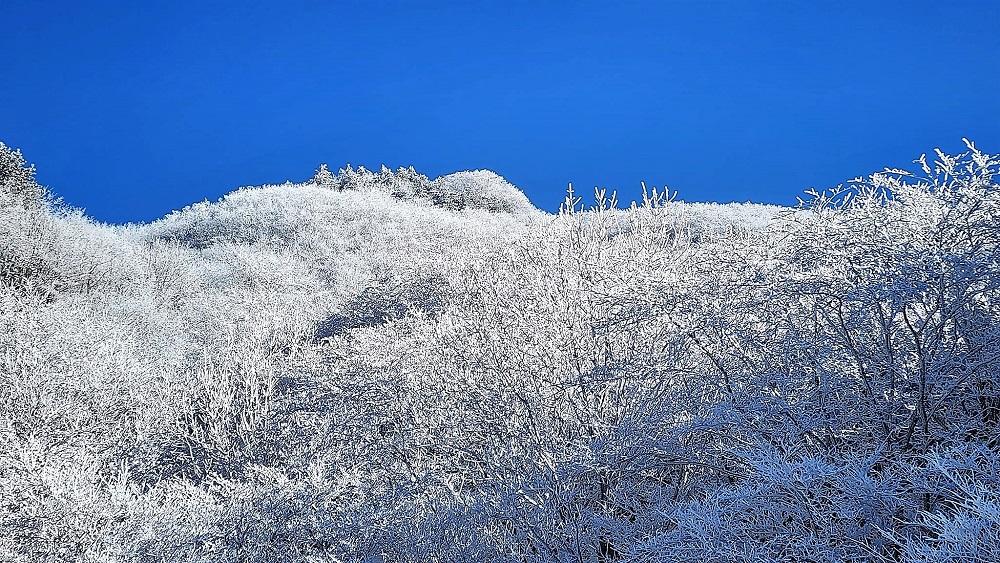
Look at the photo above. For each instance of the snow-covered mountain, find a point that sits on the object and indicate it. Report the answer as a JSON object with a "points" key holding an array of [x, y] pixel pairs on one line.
{"points": [[378, 366]]}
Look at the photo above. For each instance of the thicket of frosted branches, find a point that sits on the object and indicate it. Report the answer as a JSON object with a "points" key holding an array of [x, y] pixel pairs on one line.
{"points": [[381, 367]]}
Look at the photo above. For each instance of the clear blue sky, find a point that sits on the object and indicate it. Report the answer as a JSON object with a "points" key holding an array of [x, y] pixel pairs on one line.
{"points": [[133, 109]]}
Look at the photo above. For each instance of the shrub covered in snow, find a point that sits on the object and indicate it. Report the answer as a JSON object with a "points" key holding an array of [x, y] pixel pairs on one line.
{"points": [[383, 367], [479, 189]]}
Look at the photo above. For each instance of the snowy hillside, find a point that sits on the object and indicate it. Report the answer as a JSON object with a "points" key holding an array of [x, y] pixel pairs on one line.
{"points": [[379, 366]]}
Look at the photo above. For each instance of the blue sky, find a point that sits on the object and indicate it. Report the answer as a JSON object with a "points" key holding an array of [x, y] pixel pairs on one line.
{"points": [[133, 109]]}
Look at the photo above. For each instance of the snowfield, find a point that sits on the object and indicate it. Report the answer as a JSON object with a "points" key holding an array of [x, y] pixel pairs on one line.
{"points": [[379, 366]]}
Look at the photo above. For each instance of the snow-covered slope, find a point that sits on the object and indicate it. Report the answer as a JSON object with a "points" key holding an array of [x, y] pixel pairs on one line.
{"points": [[377, 366]]}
